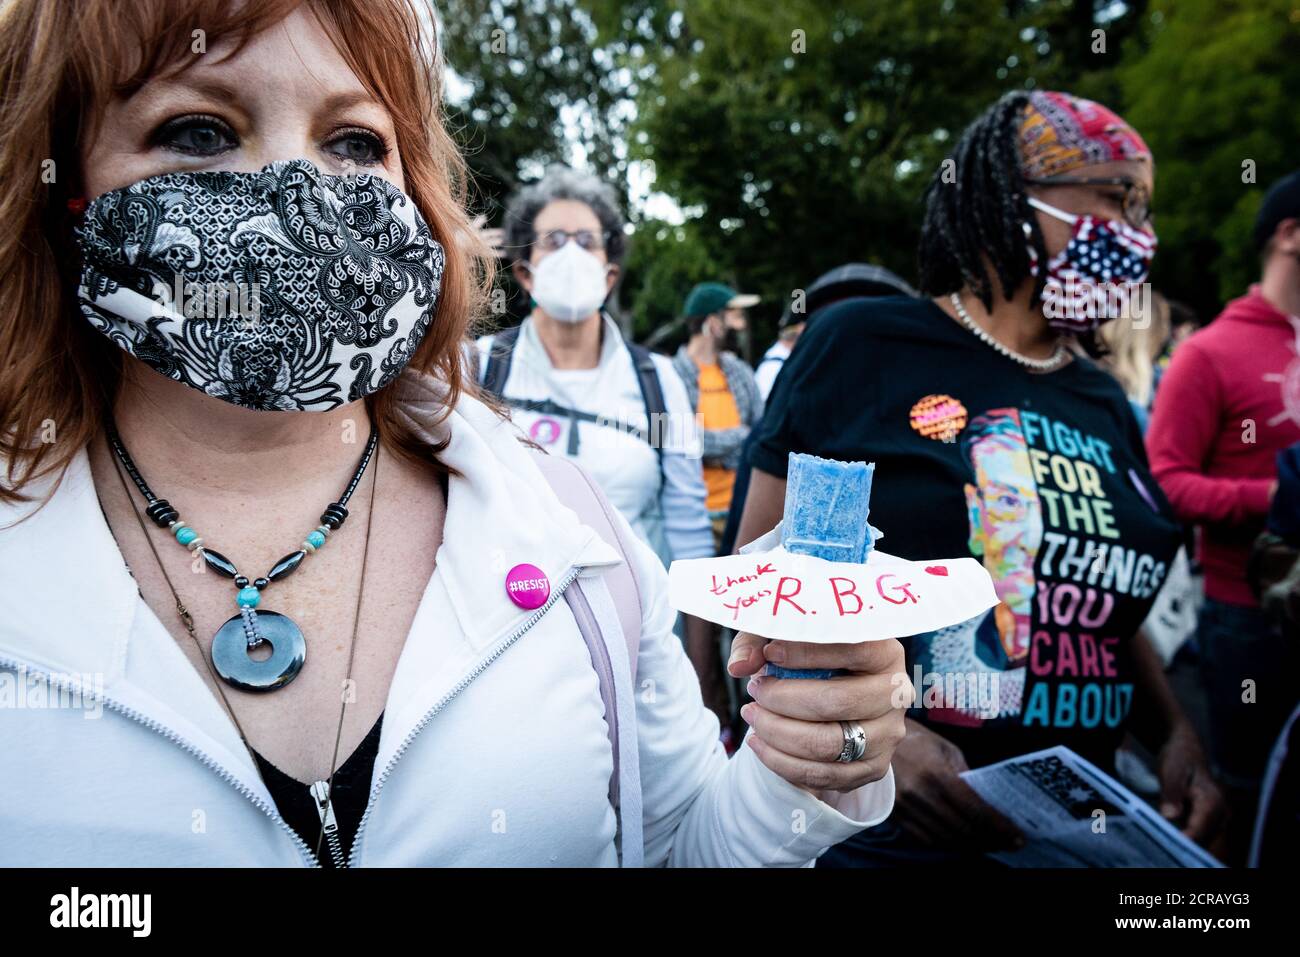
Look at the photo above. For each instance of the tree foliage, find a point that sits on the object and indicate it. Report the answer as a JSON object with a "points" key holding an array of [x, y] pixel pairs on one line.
{"points": [[1215, 94], [798, 136], [538, 81]]}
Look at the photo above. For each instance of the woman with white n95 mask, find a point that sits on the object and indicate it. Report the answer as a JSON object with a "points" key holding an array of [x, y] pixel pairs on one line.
{"points": [[579, 389]]}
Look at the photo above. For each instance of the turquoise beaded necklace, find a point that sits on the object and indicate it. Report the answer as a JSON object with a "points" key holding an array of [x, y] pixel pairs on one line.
{"points": [[250, 628]]}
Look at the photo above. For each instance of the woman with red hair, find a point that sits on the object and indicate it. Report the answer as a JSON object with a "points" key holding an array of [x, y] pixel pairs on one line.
{"points": [[257, 521]]}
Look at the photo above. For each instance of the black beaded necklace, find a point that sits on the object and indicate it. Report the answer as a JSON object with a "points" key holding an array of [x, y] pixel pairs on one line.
{"points": [[250, 628]]}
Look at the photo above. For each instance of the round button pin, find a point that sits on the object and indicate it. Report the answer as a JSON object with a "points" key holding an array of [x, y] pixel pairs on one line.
{"points": [[528, 586]]}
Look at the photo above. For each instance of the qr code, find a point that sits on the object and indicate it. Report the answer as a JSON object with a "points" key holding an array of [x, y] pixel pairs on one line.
{"points": [[1079, 798]]}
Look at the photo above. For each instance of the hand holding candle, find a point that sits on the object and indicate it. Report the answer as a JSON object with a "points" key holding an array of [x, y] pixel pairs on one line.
{"points": [[826, 508], [799, 726], [822, 603]]}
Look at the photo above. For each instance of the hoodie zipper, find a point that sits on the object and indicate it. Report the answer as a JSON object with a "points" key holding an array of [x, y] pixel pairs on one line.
{"points": [[308, 857], [320, 792], [498, 650]]}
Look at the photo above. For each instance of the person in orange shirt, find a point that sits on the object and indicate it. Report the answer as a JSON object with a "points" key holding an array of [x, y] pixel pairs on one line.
{"points": [[721, 386]]}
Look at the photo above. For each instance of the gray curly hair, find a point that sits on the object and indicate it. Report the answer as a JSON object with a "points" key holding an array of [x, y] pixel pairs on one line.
{"points": [[561, 182]]}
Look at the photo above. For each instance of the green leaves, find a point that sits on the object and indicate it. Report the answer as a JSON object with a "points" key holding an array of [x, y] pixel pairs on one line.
{"points": [[801, 161], [1214, 94], [799, 136]]}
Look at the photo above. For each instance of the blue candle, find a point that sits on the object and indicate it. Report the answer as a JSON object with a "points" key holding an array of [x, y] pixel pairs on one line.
{"points": [[826, 509]]}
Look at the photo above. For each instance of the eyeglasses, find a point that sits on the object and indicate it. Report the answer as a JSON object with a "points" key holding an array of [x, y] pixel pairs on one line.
{"points": [[554, 239], [1137, 201]]}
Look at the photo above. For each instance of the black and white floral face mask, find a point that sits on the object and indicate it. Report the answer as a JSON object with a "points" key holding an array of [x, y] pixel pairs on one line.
{"points": [[282, 289]]}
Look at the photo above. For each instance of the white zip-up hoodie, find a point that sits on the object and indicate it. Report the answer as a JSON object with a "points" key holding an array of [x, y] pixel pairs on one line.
{"points": [[494, 747]]}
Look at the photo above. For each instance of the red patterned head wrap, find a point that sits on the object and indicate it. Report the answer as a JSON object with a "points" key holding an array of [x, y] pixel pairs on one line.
{"points": [[1060, 133]]}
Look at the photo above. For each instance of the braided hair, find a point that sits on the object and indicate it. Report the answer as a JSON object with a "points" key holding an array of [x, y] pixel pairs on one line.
{"points": [[977, 219]]}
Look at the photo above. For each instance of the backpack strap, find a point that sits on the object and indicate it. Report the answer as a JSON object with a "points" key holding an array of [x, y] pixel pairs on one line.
{"points": [[613, 656], [652, 394], [576, 491], [501, 352]]}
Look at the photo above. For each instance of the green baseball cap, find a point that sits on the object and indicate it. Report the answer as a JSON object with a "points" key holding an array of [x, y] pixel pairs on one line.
{"points": [[710, 297]]}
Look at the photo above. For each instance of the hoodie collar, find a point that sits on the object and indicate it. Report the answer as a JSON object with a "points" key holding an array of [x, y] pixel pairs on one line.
{"points": [[78, 599], [501, 511]]}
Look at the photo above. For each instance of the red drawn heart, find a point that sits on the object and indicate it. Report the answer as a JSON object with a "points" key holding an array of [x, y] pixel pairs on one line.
{"points": [[936, 570]]}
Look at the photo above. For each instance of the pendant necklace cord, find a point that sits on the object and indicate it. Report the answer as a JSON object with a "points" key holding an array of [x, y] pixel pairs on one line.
{"points": [[187, 621], [352, 651], [186, 618]]}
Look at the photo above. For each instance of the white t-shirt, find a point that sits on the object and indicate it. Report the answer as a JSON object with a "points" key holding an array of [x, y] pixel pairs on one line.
{"points": [[668, 514], [769, 366]]}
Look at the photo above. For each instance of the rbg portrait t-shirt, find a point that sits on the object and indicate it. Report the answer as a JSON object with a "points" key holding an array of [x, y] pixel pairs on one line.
{"points": [[1042, 477]]}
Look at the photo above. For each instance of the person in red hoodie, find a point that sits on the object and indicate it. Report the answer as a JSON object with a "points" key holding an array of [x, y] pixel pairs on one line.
{"points": [[1228, 404]]}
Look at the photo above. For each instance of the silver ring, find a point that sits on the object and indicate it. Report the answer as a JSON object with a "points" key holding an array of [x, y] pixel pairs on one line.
{"points": [[855, 742]]}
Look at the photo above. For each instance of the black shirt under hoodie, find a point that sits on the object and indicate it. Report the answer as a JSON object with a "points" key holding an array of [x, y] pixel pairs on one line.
{"points": [[1041, 476], [349, 795]]}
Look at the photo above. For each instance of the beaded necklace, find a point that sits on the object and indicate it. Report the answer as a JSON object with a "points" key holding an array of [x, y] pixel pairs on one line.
{"points": [[248, 629]]}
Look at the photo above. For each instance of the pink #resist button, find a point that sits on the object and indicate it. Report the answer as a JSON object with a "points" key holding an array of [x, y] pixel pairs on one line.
{"points": [[528, 586]]}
